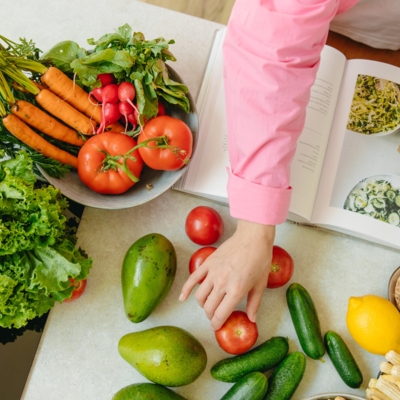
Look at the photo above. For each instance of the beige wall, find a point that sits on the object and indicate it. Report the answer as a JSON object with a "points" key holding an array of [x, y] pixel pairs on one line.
{"points": [[214, 10]]}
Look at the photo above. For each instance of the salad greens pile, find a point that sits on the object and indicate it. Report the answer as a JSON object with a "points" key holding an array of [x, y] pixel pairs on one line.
{"points": [[375, 106], [129, 57], [38, 253], [376, 198]]}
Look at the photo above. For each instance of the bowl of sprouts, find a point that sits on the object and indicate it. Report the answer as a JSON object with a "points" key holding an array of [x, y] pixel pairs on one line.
{"points": [[375, 107], [378, 197]]}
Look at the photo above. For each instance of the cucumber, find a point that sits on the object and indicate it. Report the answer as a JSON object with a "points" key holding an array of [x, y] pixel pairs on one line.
{"points": [[286, 377], [260, 359], [343, 360], [305, 320], [252, 386], [146, 391]]}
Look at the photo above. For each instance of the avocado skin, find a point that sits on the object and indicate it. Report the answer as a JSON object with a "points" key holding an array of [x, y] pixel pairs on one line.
{"points": [[146, 391], [148, 272], [166, 355]]}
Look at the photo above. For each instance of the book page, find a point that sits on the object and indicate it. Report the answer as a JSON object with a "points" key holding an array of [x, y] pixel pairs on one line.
{"points": [[207, 174], [309, 157], [359, 191]]}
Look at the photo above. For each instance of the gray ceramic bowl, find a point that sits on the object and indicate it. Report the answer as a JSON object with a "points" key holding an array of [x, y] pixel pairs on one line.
{"points": [[326, 396], [392, 285], [160, 181]]}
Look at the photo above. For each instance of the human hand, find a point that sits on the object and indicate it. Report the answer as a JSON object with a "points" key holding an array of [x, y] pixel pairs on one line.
{"points": [[239, 267]]}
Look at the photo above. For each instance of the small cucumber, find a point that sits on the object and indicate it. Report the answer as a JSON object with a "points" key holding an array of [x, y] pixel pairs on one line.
{"points": [[260, 359], [305, 320], [286, 377], [343, 360], [146, 391], [252, 386]]}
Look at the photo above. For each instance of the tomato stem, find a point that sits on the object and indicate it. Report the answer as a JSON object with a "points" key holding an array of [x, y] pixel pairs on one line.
{"points": [[275, 267]]}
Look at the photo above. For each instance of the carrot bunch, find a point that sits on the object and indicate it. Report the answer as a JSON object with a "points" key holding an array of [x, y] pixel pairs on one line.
{"points": [[63, 111]]}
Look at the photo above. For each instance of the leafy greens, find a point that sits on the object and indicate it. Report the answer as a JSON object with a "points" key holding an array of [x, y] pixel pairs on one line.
{"points": [[38, 253], [129, 57]]}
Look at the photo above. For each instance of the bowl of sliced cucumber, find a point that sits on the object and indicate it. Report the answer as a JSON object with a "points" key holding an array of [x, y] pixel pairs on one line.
{"points": [[377, 196]]}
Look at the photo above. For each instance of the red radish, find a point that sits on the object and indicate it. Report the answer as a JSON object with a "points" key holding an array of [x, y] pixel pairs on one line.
{"points": [[125, 108], [161, 108], [109, 96], [97, 93], [106, 79], [132, 118], [111, 113], [126, 92]]}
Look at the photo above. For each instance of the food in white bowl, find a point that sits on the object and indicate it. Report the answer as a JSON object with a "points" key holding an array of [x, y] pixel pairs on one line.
{"points": [[375, 107], [335, 396], [378, 197], [394, 288]]}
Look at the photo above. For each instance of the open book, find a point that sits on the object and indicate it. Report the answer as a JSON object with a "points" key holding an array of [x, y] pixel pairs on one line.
{"points": [[346, 171]]}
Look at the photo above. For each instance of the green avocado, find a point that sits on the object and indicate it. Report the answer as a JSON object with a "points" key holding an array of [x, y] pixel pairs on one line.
{"points": [[148, 272], [166, 355], [146, 391]]}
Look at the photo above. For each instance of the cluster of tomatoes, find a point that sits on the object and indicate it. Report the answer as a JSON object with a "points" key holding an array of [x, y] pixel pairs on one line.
{"points": [[112, 162], [204, 226]]}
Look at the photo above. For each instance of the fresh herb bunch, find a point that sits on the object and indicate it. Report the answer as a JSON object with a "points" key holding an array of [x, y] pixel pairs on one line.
{"points": [[129, 57], [38, 253]]}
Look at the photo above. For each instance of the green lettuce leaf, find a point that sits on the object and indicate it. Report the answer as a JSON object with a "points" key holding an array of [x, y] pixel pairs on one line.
{"points": [[38, 256]]}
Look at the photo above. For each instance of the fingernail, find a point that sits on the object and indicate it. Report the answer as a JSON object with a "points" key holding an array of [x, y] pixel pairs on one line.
{"points": [[181, 297]]}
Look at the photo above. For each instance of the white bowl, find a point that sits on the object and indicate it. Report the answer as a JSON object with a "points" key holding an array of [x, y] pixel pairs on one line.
{"points": [[160, 181], [325, 396], [349, 203]]}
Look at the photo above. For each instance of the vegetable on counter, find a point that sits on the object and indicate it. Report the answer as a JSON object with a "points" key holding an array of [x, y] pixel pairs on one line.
{"points": [[146, 391], [238, 334], [252, 386], [305, 320], [282, 267], [38, 256]]}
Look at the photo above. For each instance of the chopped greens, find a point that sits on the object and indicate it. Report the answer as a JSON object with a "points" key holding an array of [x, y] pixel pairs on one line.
{"points": [[129, 57], [37, 249], [375, 107], [376, 198]]}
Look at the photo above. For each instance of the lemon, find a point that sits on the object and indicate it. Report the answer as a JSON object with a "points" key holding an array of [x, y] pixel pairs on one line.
{"points": [[374, 323]]}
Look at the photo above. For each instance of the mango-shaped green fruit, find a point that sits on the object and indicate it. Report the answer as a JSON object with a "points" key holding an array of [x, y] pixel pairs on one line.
{"points": [[146, 391], [148, 272], [166, 355]]}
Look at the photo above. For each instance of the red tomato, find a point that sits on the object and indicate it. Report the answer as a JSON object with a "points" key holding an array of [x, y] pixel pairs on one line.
{"points": [[204, 225], [282, 267], [79, 288], [198, 257], [177, 144], [100, 168], [238, 334]]}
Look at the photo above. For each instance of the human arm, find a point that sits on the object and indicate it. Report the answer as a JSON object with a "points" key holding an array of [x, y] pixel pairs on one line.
{"points": [[271, 56]]}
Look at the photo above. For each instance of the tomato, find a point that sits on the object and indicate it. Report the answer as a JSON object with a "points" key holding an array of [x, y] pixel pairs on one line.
{"points": [[100, 163], [282, 267], [79, 288], [204, 225], [173, 148], [198, 257], [238, 334]]}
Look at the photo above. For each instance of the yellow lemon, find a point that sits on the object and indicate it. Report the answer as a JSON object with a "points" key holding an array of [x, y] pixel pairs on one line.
{"points": [[374, 323]]}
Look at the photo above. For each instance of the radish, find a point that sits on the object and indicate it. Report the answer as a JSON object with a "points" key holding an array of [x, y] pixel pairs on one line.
{"points": [[126, 93], [125, 108], [106, 79], [109, 96], [161, 108], [111, 113], [97, 93]]}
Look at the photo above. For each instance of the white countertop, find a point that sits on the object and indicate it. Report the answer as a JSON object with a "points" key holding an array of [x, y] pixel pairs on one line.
{"points": [[78, 357]]}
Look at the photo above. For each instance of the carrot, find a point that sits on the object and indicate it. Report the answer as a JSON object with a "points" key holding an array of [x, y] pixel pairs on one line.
{"points": [[115, 127], [65, 112], [45, 123], [24, 133], [65, 88]]}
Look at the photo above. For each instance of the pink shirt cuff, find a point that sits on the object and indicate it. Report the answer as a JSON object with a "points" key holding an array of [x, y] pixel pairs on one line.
{"points": [[257, 203]]}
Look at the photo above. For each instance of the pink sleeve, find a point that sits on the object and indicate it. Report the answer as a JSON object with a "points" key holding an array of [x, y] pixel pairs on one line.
{"points": [[271, 56]]}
